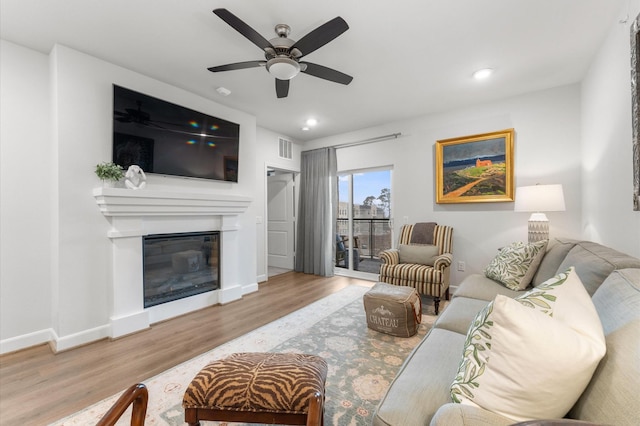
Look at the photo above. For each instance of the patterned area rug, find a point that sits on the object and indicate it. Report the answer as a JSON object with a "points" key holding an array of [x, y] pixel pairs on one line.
{"points": [[362, 363]]}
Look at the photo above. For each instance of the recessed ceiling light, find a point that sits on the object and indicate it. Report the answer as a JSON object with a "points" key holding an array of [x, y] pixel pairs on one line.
{"points": [[223, 91], [482, 74], [312, 122], [306, 129]]}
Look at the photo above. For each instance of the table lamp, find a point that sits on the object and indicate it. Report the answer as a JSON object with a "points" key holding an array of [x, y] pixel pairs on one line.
{"points": [[539, 199]]}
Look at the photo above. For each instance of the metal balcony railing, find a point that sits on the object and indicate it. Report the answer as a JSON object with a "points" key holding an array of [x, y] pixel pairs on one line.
{"points": [[371, 236]]}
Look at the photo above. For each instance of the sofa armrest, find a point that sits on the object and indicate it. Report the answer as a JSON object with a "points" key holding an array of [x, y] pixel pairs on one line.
{"points": [[390, 257], [443, 261]]}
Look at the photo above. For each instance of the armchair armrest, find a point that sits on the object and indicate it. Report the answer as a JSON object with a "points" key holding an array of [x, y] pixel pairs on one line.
{"points": [[443, 261], [390, 257]]}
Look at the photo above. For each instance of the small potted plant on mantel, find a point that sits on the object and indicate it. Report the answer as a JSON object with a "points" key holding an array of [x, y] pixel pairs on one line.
{"points": [[109, 173]]}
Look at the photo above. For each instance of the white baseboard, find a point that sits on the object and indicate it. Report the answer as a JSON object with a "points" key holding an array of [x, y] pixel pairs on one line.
{"points": [[71, 341], [122, 326], [129, 324], [26, 340], [251, 288]]}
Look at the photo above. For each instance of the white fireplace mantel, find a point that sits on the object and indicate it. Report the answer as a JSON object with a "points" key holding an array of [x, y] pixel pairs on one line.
{"points": [[136, 213], [143, 202]]}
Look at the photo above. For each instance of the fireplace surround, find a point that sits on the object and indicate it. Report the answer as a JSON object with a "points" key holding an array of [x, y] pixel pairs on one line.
{"points": [[135, 214]]}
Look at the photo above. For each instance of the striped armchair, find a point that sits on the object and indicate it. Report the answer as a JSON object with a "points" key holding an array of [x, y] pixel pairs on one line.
{"points": [[428, 280]]}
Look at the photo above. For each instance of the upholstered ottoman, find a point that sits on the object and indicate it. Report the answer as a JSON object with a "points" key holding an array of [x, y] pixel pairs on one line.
{"points": [[393, 309], [267, 388]]}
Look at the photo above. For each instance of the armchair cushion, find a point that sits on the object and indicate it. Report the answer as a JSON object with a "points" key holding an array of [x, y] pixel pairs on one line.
{"points": [[419, 254]]}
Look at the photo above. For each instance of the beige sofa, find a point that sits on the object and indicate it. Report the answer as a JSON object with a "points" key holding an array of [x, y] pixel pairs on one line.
{"points": [[420, 393]]}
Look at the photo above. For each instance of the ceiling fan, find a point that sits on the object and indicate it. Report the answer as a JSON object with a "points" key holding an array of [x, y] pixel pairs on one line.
{"points": [[283, 54], [131, 115]]}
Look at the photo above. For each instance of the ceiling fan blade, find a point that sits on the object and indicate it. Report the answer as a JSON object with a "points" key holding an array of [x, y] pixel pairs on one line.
{"points": [[238, 66], [325, 73], [321, 36], [244, 29], [282, 88]]}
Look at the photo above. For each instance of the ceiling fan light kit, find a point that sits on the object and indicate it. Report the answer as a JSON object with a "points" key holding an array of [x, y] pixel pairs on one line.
{"points": [[283, 68], [283, 54]]}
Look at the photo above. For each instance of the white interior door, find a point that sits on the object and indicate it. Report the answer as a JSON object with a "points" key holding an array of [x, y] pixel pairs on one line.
{"points": [[281, 221]]}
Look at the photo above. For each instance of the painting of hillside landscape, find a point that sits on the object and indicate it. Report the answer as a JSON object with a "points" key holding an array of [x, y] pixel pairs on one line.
{"points": [[474, 169]]}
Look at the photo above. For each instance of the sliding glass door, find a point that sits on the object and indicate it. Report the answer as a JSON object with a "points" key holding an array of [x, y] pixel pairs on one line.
{"points": [[363, 227]]}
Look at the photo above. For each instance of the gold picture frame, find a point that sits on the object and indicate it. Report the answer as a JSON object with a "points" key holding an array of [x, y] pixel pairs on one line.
{"points": [[475, 169], [635, 110]]}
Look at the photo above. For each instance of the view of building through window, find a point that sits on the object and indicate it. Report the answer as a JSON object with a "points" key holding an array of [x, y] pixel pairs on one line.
{"points": [[364, 206]]}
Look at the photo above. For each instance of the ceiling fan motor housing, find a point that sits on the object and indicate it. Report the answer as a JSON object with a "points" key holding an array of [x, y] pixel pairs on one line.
{"points": [[282, 61]]}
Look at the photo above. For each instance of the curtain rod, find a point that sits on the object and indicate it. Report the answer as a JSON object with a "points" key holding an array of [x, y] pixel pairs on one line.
{"points": [[362, 142], [370, 140]]}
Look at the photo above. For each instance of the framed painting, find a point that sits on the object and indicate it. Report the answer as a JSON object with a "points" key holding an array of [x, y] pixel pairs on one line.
{"points": [[475, 169], [635, 110]]}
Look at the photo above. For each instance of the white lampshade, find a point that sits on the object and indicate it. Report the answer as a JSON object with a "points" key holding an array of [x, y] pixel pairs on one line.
{"points": [[283, 68], [539, 199]]}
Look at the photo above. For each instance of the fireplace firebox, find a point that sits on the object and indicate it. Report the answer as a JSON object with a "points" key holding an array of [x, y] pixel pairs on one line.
{"points": [[180, 265]]}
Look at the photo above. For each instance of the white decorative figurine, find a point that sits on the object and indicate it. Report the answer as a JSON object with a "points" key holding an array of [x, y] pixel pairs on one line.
{"points": [[135, 178]]}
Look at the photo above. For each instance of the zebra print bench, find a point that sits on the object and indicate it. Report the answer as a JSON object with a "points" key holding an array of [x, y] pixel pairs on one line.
{"points": [[259, 388]]}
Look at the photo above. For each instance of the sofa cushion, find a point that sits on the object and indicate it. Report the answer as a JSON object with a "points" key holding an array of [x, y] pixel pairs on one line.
{"points": [[423, 381], [418, 254], [531, 357], [515, 265], [464, 415], [478, 286], [594, 262], [612, 394], [557, 250], [459, 314]]}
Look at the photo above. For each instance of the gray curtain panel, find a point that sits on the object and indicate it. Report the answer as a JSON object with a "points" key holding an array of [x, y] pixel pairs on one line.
{"points": [[316, 212]]}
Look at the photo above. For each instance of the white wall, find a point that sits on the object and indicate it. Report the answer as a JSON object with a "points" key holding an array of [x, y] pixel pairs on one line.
{"points": [[25, 199], [67, 281], [546, 150], [607, 171]]}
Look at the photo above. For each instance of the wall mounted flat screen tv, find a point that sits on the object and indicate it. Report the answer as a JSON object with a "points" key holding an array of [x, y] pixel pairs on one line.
{"points": [[165, 138]]}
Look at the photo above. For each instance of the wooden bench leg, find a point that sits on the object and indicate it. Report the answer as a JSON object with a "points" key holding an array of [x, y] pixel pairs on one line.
{"points": [[315, 416], [191, 417]]}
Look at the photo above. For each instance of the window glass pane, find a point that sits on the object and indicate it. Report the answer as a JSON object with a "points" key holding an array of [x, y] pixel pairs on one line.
{"points": [[369, 222]]}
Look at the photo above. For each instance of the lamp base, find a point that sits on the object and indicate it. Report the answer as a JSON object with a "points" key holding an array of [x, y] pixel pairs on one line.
{"points": [[538, 227]]}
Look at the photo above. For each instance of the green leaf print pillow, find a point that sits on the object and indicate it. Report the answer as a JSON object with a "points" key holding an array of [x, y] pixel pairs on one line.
{"points": [[516, 264]]}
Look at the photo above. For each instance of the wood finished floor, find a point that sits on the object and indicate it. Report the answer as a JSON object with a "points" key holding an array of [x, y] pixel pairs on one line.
{"points": [[38, 387]]}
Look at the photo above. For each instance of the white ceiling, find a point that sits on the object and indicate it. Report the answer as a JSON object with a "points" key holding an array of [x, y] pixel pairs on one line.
{"points": [[408, 57]]}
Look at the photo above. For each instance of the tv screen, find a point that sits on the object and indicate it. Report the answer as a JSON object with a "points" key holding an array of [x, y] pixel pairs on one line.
{"points": [[165, 138]]}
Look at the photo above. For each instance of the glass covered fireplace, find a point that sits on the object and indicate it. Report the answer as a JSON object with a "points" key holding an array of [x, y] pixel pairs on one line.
{"points": [[180, 265]]}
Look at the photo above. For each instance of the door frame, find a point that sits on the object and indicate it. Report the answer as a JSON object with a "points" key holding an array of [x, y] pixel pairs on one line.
{"points": [[296, 176]]}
